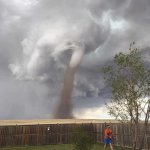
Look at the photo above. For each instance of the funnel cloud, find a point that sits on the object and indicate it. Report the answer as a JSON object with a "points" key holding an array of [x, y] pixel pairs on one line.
{"points": [[64, 109]]}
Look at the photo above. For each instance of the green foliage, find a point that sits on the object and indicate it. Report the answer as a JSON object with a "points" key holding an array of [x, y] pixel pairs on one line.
{"points": [[81, 139], [130, 83], [129, 80]]}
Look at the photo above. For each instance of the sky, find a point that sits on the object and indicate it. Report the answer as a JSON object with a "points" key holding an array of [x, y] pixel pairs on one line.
{"points": [[34, 52]]}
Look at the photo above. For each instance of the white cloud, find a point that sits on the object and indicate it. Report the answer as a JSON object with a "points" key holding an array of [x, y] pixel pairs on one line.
{"points": [[92, 113]]}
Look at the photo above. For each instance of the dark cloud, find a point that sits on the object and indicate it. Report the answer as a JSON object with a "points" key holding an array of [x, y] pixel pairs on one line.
{"points": [[24, 100], [138, 11], [31, 31]]}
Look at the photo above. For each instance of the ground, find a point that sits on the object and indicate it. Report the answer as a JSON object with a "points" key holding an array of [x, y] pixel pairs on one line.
{"points": [[56, 147]]}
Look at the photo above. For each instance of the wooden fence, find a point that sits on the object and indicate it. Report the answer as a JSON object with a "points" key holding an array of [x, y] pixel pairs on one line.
{"points": [[122, 135], [43, 134], [39, 134]]}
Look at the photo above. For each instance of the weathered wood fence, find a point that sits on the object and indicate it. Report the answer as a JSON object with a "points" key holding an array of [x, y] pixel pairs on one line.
{"points": [[42, 134]]}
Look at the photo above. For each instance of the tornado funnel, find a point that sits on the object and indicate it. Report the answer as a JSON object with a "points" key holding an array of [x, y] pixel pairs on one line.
{"points": [[64, 109]]}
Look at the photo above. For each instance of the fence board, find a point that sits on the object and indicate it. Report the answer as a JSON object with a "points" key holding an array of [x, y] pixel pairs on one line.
{"points": [[38, 134]]}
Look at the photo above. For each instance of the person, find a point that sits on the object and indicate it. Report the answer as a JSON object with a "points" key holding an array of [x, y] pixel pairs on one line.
{"points": [[108, 137]]}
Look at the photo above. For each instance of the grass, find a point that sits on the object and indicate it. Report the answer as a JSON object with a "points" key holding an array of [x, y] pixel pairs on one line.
{"points": [[56, 147]]}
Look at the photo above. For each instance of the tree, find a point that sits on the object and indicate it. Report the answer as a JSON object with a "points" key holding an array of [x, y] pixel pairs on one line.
{"points": [[129, 79]]}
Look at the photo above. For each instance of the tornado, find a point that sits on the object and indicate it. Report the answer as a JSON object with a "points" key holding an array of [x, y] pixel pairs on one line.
{"points": [[64, 109]]}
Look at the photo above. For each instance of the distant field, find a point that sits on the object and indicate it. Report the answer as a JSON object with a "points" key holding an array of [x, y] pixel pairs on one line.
{"points": [[54, 121], [55, 147]]}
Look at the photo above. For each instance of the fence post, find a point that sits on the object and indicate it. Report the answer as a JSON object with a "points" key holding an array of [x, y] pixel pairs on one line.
{"points": [[16, 138], [146, 141], [123, 135], [38, 134], [60, 134]]}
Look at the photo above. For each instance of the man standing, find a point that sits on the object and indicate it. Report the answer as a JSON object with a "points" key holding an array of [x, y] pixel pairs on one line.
{"points": [[108, 137]]}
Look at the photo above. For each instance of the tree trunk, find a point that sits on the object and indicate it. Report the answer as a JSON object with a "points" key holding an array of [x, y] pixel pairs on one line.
{"points": [[135, 136], [145, 127]]}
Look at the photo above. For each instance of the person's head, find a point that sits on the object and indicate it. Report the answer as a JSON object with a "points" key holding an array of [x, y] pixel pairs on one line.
{"points": [[108, 126]]}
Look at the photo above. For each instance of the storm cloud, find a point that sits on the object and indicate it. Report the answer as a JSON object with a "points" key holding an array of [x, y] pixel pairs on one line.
{"points": [[34, 52]]}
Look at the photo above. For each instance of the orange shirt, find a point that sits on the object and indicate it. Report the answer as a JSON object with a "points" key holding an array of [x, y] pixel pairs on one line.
{"points": [[108, 133]]}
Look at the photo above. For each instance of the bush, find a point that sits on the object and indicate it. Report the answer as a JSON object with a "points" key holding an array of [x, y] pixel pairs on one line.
{"points": [[81, 140]]}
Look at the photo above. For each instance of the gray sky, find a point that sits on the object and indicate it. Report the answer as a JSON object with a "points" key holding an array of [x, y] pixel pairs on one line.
{"points": [[33, 34]]}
